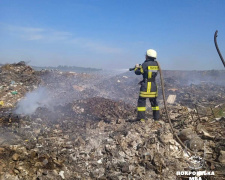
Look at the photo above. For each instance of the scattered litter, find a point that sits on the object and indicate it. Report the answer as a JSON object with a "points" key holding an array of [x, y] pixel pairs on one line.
{"points": [[14, 92], [171, 99], [84, 127]]}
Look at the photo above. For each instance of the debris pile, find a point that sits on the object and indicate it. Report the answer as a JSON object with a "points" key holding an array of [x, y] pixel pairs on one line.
{"points": [[94, 149], [15, 81], [89, 130], [103, 109]]}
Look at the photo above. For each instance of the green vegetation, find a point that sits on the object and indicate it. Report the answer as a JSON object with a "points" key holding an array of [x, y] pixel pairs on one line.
{"points": [[219, 111]]}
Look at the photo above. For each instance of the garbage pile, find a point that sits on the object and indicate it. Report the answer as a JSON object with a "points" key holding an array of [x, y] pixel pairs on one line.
{"points": [[196, 87], [73, 147], [15, 80], [87, 129], [205, 94]]}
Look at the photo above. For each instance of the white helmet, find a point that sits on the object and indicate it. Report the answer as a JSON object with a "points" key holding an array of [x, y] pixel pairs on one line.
{"points": [[151, 53]]}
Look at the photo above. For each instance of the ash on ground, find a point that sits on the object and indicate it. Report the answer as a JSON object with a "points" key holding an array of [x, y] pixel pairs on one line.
{"points": [[67, 125]]}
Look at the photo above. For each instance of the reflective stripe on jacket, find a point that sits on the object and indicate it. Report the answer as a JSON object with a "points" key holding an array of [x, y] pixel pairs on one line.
{"points": [[148, 70]]}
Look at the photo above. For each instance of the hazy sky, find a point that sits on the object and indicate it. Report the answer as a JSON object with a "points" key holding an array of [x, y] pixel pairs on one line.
{"points": [[112, 33]]}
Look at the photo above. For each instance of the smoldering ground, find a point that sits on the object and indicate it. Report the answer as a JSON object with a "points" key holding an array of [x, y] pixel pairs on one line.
{"points": [[187, 78], [75, 133], [37, 98], [59, 88]]}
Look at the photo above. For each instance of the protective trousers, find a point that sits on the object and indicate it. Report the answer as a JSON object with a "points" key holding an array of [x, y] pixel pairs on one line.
{"points": [[142, 108]]}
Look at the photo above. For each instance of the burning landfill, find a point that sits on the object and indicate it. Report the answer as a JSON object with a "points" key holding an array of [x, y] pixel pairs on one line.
{"points": [[67, 125]]}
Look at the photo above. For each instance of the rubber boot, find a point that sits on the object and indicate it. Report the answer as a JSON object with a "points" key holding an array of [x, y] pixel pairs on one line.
{"points": [[156, 115]]}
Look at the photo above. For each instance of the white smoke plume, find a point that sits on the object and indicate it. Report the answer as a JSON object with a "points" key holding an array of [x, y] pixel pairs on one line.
{"points": [[61, 92], [33, 100]]}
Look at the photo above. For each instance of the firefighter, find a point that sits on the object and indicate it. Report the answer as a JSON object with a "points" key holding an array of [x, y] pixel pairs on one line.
{"points": [[148, 70]]}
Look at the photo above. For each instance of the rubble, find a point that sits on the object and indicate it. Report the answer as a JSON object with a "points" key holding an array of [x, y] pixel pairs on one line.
{"points": [[222, 157], [171, 99], [87, 128]]}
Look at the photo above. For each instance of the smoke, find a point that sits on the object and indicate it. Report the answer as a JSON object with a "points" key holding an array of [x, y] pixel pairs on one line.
{"points": [[104, 75], [196, 77], [33, 100], [193, 81], [62, 89]]}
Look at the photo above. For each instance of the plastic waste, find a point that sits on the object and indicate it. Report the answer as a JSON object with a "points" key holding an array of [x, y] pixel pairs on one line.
{"points": [[1, 103], [14, 92]]}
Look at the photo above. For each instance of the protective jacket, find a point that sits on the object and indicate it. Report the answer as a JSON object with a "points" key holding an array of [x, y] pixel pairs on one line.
{"points": [[148, 70]]}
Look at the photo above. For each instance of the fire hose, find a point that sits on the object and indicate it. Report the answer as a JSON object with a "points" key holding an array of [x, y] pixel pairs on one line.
{"points": [[167, 113], [217, 48], [168, 117]]}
